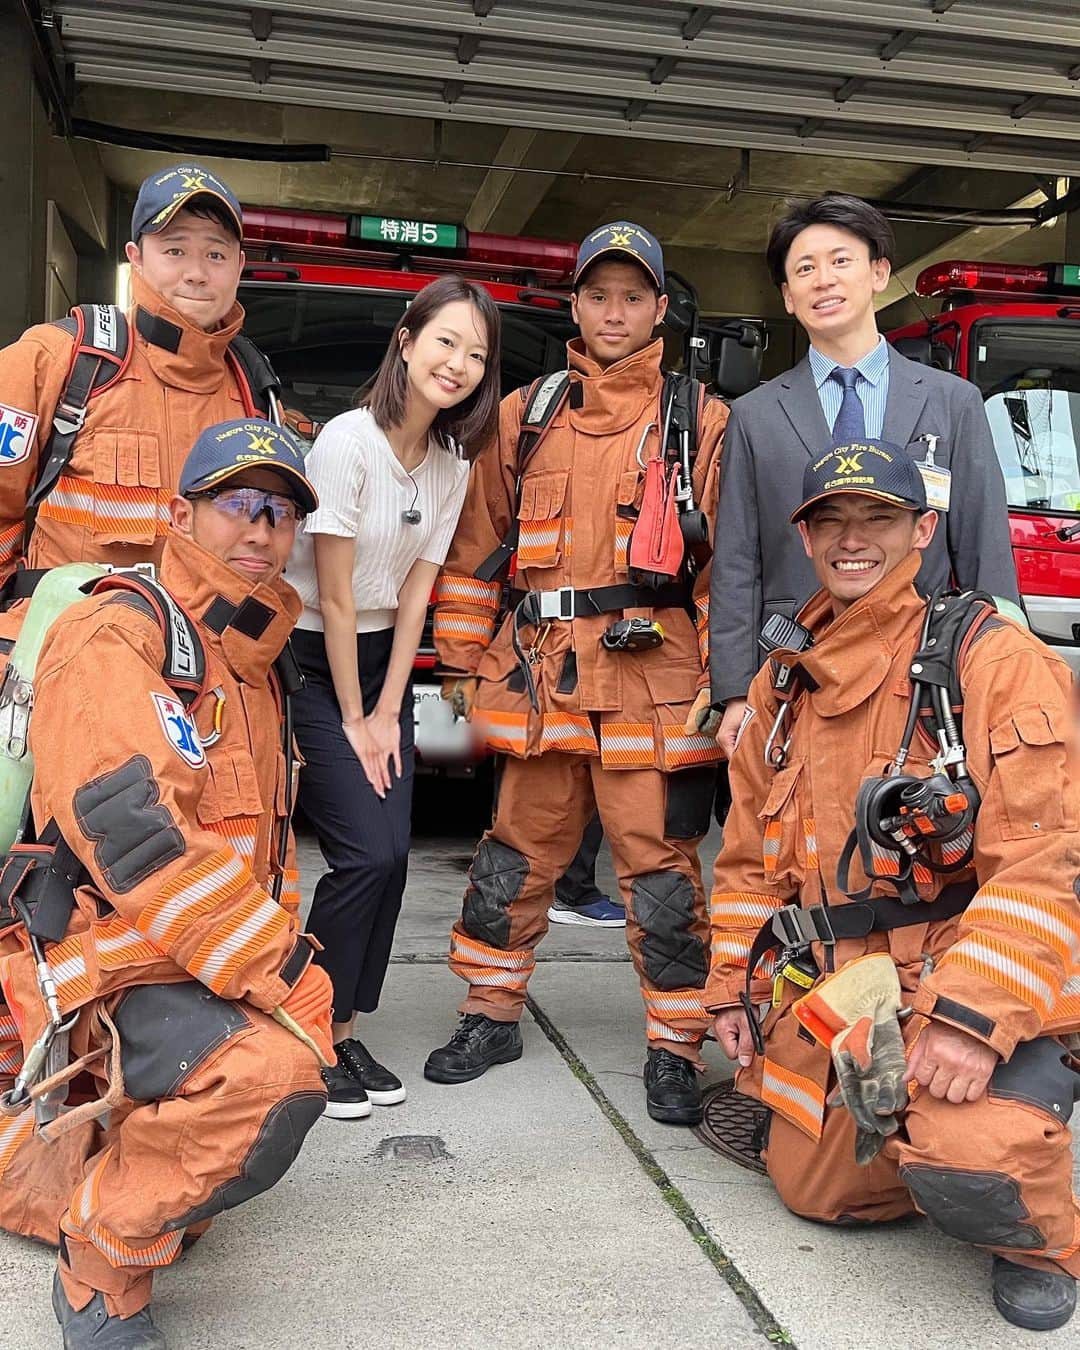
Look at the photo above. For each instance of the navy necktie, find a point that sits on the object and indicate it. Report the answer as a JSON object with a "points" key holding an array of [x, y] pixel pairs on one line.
{"points": [[850, 424]]}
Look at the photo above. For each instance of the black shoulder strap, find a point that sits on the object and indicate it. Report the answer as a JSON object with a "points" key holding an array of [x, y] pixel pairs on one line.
{"points": [[687, 408], [259, 384], [544, 399], [100, 355], [955, 620], [184, 667]]}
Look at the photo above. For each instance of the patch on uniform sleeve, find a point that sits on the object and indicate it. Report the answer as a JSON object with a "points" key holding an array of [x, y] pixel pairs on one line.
{"points": [[748, 716], [17, 431], [179, 729], [133, 833]]}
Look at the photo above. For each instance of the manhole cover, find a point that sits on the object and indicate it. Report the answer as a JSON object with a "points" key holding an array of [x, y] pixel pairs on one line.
{"points": [[411, 1148], [734, 1126]]}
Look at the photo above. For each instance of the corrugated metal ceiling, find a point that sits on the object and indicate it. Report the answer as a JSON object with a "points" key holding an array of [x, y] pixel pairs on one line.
{"points": [[980, 83]]}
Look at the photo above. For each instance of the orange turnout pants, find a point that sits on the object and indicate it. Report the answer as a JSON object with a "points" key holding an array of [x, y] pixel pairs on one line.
{"points": [[543, 806]]}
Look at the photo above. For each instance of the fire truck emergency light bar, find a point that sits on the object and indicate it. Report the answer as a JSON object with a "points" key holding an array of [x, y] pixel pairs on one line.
{"points": [[409, 237], [1049, 279]]}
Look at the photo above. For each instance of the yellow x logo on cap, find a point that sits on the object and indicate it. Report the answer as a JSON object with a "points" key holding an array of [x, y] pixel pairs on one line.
{"points": [[194, 182], [849, 463], [262, 445], [620, 238]]}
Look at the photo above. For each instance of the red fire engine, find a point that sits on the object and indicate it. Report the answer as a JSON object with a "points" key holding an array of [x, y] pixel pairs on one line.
{"points": [[1015, 332]]}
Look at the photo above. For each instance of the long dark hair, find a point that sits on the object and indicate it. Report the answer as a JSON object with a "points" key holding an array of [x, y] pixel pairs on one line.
{"points": [[836, 208], [469, 425]]}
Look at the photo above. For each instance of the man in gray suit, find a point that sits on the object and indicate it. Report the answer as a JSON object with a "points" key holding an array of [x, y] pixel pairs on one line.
{"points": [[829, 258]]}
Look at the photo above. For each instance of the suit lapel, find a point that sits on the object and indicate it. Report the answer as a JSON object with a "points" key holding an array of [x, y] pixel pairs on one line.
{"points": [[799, 400], [907, 397]]}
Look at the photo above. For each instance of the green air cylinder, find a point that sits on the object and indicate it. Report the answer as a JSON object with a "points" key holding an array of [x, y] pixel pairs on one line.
{"points": [[1011, 610], [57, 590]]}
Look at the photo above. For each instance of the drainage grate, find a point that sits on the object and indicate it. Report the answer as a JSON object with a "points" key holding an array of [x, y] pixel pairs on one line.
{"points": [[734, 1126]]}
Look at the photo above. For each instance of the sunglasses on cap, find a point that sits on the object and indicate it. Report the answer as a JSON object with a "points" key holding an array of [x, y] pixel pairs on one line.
{"points": [[249, 503]]}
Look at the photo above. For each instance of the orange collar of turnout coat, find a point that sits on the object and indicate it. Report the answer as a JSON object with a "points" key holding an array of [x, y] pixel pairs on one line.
{"points": [[615, 398], [179, 352], [246, 624], [852, 654]]}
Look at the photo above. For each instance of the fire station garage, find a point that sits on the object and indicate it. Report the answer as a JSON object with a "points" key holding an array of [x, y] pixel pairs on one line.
{"points": [[522, 118], [374, 144]]}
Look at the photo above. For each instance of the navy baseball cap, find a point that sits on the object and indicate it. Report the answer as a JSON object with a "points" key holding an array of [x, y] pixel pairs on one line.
{"points": [[622, 238], [164, 193], [873, 468], [229, 448]]}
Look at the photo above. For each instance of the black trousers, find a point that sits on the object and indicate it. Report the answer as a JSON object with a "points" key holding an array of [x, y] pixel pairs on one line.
{"points": [[577, 885], [364, 840]]}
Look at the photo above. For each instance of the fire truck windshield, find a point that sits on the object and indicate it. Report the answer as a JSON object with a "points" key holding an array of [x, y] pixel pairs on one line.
{"points": [[1029, 374], [326, 342]]}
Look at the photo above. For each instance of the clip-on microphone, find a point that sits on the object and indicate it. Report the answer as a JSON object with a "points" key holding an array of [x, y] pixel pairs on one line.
{"points": [[412, 516]]}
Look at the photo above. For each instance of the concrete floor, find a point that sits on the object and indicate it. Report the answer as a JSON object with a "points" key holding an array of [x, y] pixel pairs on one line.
{"points": [[526, 1210]]}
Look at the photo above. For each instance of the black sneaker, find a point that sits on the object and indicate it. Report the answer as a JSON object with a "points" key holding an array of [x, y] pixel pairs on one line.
{"points": [[671, 1089], [1040, 1300], [382, 1087], [478, 1043], [345, 1098]]}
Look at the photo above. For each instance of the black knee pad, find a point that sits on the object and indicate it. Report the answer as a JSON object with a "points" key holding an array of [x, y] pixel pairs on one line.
{"points": [[1039, 1074], [497, 877], [663, 905], [269, 1158], [168, 1030], [980, 1207]]}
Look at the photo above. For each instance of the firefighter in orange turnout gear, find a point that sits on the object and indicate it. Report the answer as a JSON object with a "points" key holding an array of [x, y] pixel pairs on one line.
{"points": [[203, 1021], [983, 960], [583, 725], [110, 502]]}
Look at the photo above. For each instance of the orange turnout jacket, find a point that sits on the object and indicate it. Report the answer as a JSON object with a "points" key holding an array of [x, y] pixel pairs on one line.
{"points": [[111, 504], [1007, 969], [175, 816], [579, 500]]}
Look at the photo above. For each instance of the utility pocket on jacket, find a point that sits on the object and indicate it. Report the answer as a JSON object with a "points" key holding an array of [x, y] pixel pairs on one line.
{"points": [[778, 821], [230, 803], [627, 509], [1029, 749], [126, 484], [540, 519]]}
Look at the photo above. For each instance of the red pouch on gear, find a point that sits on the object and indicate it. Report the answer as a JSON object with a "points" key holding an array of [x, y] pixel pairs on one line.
{"points": [[656, 545], [310, 1005]]}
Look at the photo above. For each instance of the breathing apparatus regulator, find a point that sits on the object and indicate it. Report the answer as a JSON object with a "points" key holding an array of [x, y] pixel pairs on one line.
{"points": [[904, 824]]}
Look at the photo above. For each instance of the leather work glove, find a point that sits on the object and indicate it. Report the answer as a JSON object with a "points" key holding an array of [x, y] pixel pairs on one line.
{"points": [[460, 693], [307, 1013], [854, 1013], [703, 718]]}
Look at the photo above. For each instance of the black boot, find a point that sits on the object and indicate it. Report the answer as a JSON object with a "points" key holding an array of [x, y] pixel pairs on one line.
{"points": [[478, 1043], [1040, 1300], [91, 1328], [671, 1089]]}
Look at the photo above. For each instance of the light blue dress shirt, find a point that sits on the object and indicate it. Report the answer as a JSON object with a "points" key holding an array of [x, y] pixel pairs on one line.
{"points": [[872, 387]]}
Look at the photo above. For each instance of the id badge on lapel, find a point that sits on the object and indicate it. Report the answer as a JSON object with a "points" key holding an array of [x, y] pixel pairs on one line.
{"points": [[936, 478]]}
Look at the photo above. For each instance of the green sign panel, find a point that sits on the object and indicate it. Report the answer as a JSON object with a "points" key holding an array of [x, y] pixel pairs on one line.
{"points": [[1070, 274], [417, 233]]}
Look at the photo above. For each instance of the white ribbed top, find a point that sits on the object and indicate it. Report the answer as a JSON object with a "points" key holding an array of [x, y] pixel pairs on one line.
{"points": [[363, 490]]}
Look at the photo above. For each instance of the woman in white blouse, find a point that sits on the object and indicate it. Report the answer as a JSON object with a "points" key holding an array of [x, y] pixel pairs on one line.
{"points": [[391, 478]]}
